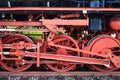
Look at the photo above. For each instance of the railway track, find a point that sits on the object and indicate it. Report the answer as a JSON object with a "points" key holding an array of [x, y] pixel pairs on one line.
{"points": [[28, 75]]}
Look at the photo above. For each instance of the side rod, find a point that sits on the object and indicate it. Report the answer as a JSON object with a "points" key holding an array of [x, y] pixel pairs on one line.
{"points": [[67, 58], [79, 50]]}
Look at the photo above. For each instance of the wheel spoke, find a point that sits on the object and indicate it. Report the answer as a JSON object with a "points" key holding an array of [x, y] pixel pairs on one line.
{"points": [[63, 43], [72, 45], [68, 41], [11, 64]]}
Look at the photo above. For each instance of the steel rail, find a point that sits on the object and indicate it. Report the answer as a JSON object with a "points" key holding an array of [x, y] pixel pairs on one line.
{"points": [[80, 73]]}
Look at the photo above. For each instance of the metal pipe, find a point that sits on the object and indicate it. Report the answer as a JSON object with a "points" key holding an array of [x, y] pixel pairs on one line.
{"points": [[78, 5], [102, 3], [3, 15], [57, 9], [9, 5], [48, 3]]}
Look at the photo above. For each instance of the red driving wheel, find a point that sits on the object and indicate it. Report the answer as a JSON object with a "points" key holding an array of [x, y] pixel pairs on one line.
{"points": [[62, 66], [15, 65], [101, 45]]}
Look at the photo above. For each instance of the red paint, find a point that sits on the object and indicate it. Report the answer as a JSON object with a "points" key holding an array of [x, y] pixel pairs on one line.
{"points": [[115, 23]]}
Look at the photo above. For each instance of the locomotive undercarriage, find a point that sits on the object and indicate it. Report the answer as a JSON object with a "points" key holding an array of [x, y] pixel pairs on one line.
{"points": [[65, 42]]}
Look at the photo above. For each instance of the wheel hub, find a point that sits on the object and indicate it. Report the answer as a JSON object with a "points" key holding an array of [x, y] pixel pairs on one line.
{"points": [[62, 51], [106, 51]]}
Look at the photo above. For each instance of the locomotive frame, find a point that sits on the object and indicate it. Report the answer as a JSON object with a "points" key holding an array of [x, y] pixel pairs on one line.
{"points": [[58, 50]]}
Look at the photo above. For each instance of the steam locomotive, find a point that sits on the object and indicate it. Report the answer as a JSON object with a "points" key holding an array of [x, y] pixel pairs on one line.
{"points": [[60, 34]]}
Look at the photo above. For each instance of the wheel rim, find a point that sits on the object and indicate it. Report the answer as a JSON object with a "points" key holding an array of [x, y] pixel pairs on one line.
{"points": [[101, 44], [62, 66], [12, 65]]}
